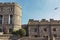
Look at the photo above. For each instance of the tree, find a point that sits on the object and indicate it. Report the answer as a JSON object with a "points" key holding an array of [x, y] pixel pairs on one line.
{"points": [[20, 32], [15, 33]]}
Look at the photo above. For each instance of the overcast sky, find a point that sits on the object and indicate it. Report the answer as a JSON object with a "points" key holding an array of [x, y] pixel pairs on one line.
{"points": [[38, 9]]}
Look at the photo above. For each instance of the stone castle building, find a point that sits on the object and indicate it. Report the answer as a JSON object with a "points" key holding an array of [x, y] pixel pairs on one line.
{"points": [[11, 20], [10, 17], [43, 28]]}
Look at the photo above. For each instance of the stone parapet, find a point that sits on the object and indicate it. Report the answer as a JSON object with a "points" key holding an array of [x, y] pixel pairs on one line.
{"points": [[43, 22]]}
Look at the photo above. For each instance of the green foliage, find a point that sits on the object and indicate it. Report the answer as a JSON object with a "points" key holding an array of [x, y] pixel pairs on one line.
{"points": [[14, 32], [20, 32]]}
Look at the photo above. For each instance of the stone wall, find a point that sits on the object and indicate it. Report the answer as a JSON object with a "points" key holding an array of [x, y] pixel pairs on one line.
{"points": [[33, 38], [11, 37], [44, 28]]}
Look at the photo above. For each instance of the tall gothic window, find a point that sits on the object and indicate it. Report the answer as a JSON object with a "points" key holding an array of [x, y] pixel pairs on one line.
{"points": [[0, 30], [10, 19], [0, 19]]}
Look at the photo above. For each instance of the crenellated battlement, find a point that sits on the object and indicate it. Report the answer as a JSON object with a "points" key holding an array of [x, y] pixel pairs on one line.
{"points": [[10, 4], [44, 21], [7, 3]]}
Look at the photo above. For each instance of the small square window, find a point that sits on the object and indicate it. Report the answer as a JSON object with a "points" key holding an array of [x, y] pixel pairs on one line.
{"points": [[36, 35], [54, 29], [54, 35], [45, 36], [45, 29]]}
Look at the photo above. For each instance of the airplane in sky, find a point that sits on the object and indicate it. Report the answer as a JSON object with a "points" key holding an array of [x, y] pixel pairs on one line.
{"points": [[56, 8]]}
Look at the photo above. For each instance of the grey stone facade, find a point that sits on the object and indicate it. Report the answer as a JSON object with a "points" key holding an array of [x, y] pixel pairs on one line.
{"points": [[44, 28], [10, 17]]}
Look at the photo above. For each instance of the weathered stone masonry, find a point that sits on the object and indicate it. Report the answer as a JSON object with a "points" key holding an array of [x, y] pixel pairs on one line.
{"points": [[10, 17]]}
